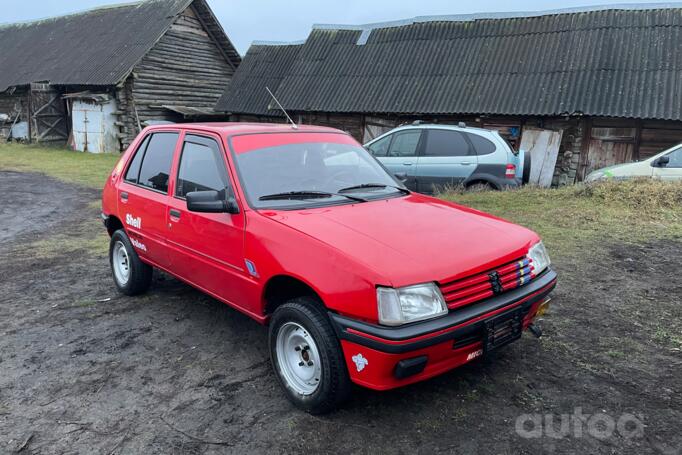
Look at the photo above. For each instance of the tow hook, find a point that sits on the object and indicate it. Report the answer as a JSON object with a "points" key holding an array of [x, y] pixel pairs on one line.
{"points": [[535, 330]]}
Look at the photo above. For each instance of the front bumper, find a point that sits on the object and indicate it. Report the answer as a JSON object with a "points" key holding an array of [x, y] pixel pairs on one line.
{"points": [[397, 356]]}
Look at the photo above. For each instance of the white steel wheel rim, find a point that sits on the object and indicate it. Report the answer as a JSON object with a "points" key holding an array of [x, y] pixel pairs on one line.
{"points": [[298, 358], [121, 263]]}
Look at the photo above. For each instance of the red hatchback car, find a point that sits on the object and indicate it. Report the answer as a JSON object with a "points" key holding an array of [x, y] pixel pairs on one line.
{"points": [[360, 280]]}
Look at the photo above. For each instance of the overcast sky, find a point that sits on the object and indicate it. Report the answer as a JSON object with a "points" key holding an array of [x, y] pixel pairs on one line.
{"points": [[291, 20]]}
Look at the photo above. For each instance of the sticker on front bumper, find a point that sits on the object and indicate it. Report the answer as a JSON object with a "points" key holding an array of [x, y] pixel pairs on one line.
{"points": [[360, 362]]}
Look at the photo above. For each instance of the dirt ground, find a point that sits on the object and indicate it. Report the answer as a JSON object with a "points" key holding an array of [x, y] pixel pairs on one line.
{"points": [[86, 370]]}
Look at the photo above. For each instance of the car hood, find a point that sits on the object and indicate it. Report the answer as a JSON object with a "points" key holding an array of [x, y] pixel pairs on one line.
{"points": [[413, 239]]}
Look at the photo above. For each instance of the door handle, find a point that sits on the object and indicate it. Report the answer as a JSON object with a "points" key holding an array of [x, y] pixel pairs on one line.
{"points": [[124, 196], [175, 213], [466, 163], [407, 163]]}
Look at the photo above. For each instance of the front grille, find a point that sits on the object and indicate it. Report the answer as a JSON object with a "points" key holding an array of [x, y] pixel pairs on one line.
{"points": [[469, 290]]}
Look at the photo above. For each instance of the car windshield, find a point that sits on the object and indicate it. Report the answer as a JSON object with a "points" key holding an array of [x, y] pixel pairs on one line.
{"points": [[309, 169]]}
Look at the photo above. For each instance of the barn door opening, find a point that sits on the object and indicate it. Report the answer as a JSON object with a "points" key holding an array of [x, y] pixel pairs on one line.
{"points": [[48, 115], [609, 143]]}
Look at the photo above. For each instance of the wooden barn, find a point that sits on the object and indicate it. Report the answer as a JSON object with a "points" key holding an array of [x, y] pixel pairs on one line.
{"points": [[94, 79], [581, 88]]}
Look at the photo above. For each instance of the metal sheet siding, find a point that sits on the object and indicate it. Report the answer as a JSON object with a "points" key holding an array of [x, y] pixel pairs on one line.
{"points": [[620, 63]]}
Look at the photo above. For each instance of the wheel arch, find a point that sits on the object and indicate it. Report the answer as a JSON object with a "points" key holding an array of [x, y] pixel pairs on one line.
{"points": [[474, 180], [113, 224], [279, 289]]}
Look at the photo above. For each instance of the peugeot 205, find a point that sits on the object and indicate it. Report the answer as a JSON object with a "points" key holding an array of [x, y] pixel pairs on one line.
{"points": [[359, 279]]}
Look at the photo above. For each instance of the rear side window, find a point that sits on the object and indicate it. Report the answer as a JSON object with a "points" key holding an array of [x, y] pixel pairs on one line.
{"points": [[202, 167], [405, 144], [134, 168], [446, 143], [380, 147], [157, 161], [482, 145]]}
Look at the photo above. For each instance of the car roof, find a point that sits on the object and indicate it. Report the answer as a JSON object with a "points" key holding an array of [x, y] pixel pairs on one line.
{"points": [[232, 128], [425, 126]]}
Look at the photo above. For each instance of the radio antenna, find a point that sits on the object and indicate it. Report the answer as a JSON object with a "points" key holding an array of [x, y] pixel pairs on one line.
{"points": [[293, 124]]}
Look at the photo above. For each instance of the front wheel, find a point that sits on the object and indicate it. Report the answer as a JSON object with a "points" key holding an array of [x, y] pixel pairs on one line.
{"points": [[307, 357], [131, 275]]}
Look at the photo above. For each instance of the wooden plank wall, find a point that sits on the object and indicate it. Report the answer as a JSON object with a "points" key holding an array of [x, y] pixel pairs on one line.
{"points": [[658, 135], [185, 68]]}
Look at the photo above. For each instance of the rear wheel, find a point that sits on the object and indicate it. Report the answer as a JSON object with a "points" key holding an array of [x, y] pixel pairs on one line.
{"points": [[480, 186], [131, 275], [307, 357]]}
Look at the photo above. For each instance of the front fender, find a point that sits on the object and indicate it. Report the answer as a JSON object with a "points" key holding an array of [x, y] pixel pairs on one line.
{"points": [[344, 285]]}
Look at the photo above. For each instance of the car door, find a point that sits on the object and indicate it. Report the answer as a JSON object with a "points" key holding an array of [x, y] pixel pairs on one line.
{"points": [[672, 170], [447, 159], [398, 153], [206, 249], [143, 195]]}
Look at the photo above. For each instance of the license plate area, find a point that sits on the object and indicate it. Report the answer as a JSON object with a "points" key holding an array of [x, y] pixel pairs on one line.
{"points": [[503, 329]]}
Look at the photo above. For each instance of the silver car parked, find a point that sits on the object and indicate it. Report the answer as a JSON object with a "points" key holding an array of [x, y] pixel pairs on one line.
{"points": [[429, 157]]}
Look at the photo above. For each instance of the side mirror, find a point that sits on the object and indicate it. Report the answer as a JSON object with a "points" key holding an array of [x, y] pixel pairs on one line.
{"points": [[210, 202], [402, 176], [662, 161]]}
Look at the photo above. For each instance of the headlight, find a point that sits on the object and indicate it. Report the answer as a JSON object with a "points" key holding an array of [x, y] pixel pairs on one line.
{"points": [[410, 304], [539, 257]]}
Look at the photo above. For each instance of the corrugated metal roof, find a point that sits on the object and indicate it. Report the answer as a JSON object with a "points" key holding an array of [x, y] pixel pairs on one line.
{"points": [[96, 47], [265, 67], [615, 62]]}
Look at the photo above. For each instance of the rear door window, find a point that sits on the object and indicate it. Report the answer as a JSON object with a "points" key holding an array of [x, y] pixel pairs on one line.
{"points": [[405, 144], [202, 167], [482, 146], [157, 161], [446, 143]]}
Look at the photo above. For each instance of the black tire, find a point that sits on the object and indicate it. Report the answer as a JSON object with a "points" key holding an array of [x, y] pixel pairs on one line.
{"points": [[526, 167], [140, 274], [334, 384]]}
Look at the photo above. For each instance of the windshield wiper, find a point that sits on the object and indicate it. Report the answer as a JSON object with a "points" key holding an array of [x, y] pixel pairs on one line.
{"points": [[306, 195], [373, 185]]}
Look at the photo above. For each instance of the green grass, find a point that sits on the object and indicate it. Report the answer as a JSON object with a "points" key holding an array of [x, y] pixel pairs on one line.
{"points": [[86, 169], [574, 217]]}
